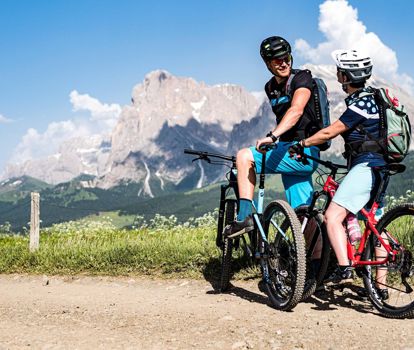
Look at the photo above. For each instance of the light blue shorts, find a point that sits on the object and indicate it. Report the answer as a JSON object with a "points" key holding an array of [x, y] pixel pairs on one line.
{"points": [[296, 176], [355, 189]]}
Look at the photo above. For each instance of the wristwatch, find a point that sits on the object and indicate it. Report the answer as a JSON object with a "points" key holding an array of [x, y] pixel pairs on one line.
{"points": [[273, 137]]}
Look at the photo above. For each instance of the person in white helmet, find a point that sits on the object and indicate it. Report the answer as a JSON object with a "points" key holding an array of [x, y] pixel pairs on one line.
{"points": [[353, 70]]}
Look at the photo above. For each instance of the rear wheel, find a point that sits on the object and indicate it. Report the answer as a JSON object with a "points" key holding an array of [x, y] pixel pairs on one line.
{"points": [[395, 277], [230, 216], [283, 262], [317, 249]]}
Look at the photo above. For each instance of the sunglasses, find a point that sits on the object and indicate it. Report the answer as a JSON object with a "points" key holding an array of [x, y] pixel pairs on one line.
{"points": [[279, 61]]}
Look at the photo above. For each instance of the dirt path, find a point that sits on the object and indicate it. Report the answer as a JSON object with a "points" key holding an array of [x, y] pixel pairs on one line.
{"points": [[120, 313]]}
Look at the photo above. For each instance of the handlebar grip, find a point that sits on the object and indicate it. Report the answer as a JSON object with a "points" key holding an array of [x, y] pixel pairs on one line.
{"points": [[191, 151], [267, 147]]}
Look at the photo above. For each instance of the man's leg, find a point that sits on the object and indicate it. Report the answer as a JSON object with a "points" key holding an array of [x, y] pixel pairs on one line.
{"points": [[246, 180], [296, 176], [298, 189]]}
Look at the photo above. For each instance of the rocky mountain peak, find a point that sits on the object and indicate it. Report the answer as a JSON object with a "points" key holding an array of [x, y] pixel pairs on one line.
{"points": [[169, 113], [157, 76]]}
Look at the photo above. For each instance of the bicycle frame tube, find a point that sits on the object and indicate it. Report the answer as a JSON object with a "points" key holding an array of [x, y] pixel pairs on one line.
{"points": [[256, 218], [355, 256]]}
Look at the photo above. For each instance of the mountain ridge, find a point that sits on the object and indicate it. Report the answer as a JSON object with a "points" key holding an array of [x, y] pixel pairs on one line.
{"points": [[167, 114]]}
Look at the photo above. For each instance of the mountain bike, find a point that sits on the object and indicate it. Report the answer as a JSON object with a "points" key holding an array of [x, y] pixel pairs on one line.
{"points": [[276, 242], [384, 257], [313, 227]]}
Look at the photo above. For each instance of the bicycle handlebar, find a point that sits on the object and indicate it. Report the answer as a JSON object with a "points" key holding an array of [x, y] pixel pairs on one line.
{"points": [[205, 155]]}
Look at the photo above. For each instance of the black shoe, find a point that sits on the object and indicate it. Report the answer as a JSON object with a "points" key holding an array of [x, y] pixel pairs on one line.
{"points": [[383, 293], [340, 276], [237, 228]]}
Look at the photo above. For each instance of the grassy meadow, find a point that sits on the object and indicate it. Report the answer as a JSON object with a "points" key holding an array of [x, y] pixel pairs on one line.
{"points": [[160, 247]]}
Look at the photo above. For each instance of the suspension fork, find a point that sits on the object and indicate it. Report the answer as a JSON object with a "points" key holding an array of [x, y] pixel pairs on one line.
{"points": [[223, 190], [220, 223]]}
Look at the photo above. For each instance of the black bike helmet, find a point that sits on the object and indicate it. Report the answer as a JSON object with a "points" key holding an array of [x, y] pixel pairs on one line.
{"points": [[274, 47]]}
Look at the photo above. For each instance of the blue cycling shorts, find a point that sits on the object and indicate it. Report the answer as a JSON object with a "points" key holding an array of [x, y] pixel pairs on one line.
{"points": [[296, 176]]}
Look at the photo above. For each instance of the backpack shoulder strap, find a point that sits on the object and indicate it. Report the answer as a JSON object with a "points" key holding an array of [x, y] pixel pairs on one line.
{"points": [[288, 89], [268, 87], [382, 131]]}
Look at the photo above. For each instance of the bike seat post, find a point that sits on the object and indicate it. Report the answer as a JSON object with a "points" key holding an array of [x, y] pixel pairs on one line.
{"points": [[260, 200]]}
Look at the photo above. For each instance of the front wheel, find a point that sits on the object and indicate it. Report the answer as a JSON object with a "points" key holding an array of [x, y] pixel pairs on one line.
{"points": [[283, 261], [317, 248], [391, 286], [230, 216]]}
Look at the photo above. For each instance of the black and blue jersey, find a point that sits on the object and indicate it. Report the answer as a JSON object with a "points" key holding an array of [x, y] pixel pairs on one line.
{"points": [[281, 101]]}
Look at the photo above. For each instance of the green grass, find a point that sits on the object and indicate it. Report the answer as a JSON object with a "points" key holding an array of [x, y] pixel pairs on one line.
{"points": [[102, 249], [160, 248], [119, 221]]}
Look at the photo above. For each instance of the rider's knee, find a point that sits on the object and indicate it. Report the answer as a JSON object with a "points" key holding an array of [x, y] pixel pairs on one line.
{"points": [[244, 156], [334, 215], [329, 217]]}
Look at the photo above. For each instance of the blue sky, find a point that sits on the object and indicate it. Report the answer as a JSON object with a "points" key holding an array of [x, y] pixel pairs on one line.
{"points": [[59, 58]]}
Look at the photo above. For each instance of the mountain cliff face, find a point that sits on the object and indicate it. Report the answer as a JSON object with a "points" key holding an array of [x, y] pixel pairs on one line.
{"points": [[168, 114]]}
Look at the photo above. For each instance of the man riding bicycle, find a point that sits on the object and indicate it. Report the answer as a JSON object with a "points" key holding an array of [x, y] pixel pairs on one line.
{"points": [[353, 70], [294, 113]]}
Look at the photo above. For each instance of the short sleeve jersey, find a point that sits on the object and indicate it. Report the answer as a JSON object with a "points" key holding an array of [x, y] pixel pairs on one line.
{"points": [[281, 102], [362, 110]]}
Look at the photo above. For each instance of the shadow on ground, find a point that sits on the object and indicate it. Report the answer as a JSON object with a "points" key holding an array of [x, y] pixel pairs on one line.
{"points": [[212, 274], [349, 296]]}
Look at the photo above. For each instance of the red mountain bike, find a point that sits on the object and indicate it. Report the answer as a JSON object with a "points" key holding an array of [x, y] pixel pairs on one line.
{"points": [[384, 257]]}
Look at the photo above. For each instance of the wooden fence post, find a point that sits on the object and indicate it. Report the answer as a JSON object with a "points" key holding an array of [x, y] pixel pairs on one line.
{"points": [[34, 221]]}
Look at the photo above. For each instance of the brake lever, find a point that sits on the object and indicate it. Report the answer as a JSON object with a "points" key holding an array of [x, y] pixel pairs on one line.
{"points": [[302, 159]]}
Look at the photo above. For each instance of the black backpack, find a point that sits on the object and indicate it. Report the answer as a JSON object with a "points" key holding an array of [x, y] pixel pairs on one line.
{"points": [[320, 97]]}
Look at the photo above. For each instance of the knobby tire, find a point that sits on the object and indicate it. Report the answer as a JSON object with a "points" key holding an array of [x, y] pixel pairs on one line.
{"points": [[314, 274], [284, 262], [230, 212]]}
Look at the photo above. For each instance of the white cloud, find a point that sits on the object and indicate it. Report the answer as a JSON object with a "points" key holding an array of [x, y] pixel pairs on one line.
{"points": [[339, 22], [108, 113], [4, 120], [35, 144]]}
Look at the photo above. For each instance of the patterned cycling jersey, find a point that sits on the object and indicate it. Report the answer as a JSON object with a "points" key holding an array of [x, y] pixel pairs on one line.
{"points": [[362, 110]]}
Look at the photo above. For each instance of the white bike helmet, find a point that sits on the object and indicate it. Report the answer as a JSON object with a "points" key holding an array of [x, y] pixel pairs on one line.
{"points": [[357, 66]]}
